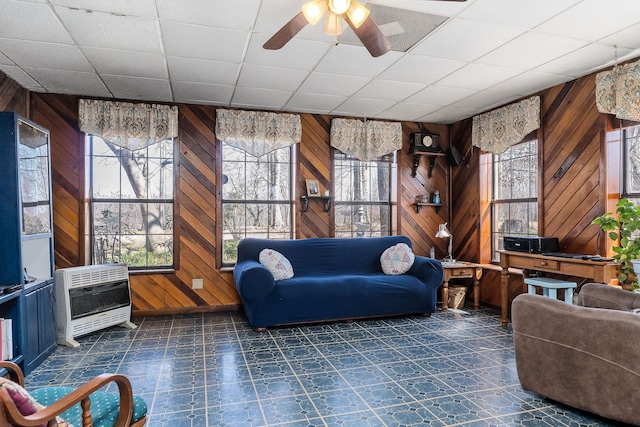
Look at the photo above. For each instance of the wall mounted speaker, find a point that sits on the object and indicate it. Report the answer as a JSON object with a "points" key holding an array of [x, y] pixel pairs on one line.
{"points": [[454, 156]]}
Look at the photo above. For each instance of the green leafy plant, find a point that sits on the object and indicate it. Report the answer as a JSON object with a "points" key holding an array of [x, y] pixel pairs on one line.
{"points": [[625, 229]]}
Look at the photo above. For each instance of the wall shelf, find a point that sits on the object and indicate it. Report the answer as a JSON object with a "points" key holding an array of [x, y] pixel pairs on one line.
{"points": [[419, 206], [432, 157], [326, 199]]}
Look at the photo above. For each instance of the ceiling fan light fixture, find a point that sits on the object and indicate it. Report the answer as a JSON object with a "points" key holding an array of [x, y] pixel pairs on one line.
{"points": [[333, 24], [314, 10], [339, 6], [357, 14]]}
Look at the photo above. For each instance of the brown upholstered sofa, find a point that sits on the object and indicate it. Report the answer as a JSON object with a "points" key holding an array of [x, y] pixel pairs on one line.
{"points": [[586, 356]]}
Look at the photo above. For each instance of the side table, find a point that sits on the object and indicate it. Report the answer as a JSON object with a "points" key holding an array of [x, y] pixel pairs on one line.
{"points": [[461, 270]]}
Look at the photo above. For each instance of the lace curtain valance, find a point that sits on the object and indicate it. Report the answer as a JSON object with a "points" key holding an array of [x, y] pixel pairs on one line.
{"points": [[500, 129], [132, 126], [257, 132], [618, 91], [365, 140]]}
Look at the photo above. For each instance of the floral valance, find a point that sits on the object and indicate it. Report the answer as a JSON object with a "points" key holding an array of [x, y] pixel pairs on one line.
{"points": [[365, 140], [504, 127], [618, 91], [257, 132], [132, 126]]}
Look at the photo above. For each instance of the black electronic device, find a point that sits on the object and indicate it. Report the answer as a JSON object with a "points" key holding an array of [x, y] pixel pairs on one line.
{"points": [[454, 156], [531, 244]]}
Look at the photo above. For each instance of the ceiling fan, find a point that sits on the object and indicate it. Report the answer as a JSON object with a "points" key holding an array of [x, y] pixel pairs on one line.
{"points": [[356, 15]]}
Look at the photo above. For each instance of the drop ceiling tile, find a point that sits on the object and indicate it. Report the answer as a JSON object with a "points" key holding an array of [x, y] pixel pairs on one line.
{"points": [[522, 14], [388, 90], [355, 61], [4, 60], [464, 40], [313, 103], [591, 20], [478, 76], [274, 14], [200, 93], [407, 111], [21, 77], [531, 50], [44, 55], [333, 84], [629, 37], [140, 8], [362, 107], [200, 42], [440, 95], [138, 88], [485, 100], [440, 8], [448, 115], [421, 69], [126, 63], [202, 71], [42, 23], [214, 13], [298, 54], [271, 78], [69, 82], [260, 98], [530, 82], [583, 61], [107, 30]]}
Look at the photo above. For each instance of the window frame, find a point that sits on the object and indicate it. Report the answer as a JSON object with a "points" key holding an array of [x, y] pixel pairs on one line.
{"points": [[625, 193]]}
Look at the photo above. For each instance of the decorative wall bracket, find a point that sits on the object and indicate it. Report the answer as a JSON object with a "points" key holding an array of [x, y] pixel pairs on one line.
{"points": [[419, 206], [432, 162], [327, 202]]}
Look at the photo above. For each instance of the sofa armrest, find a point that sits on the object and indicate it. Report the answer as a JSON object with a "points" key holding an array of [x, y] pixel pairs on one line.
{"points": [[597, 295], [428, 270], [253, 280]]}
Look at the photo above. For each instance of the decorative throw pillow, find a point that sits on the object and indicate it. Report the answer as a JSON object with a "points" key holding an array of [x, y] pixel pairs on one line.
{"points": [[26, 404], [276, 263], [397, 259]]}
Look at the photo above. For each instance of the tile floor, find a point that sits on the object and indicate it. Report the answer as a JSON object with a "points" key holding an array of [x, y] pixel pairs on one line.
{"points": [[453, 368]]}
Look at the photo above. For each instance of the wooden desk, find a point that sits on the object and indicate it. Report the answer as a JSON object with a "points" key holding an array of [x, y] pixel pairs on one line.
{"points": [[598, 271], [461, 270]]}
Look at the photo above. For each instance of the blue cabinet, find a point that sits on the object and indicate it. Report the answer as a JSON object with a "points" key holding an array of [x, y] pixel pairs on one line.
{"points": [[26, 233]]}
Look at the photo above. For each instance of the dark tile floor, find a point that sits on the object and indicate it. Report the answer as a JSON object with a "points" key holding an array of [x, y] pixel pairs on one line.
{"points": [[453, 368]]}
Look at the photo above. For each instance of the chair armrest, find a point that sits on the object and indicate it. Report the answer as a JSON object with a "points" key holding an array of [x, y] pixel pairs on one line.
{"points": [[14, 371], [428, 270], [79, 395], [253, 280], [597, 295]]}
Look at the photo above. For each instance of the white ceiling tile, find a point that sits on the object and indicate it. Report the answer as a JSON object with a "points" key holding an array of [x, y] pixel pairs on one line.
{"points": [[530, 82], [107, 30], [333, 84], [313, 103], [590, 57], [274, 14], [448, 115], [126, 63], [210, 12], [523, 14], [407, 111], [592, 20], [138, 88], [478, 76], [629, 37], [362, 107], [464, 40], [531, 50], [212, 43], [31, 21], [260, 98], [4, 60], [355, 61], [388, 90], [202, 93], [271, 78], [440, 95], [484, 100], [421, 69], [44, 55], [298, 54], [69, 82], [202, 71], [440, 8], [21, 77], [140, 8]]}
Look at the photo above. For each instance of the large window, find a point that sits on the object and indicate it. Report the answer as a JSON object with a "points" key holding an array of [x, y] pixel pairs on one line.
{"points": [[132, 204], [514, 205], [631, 169], [364, 193], [256, 197]]}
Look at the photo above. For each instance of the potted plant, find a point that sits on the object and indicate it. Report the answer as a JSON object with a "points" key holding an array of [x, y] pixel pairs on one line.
{"points": [[625, 229]]}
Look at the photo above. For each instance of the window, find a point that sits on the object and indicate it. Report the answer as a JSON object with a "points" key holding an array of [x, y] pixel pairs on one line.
{"points": [[631, 169], [364, 192], [514, 205], [132, 204], [256, 197]]}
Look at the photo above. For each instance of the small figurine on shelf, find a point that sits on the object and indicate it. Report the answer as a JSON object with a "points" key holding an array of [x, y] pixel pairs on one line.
{"points": [[436, 197]]}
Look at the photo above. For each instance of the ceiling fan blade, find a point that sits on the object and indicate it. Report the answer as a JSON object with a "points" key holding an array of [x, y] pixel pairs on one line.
{"points": [[286, 33], [371, 37]]}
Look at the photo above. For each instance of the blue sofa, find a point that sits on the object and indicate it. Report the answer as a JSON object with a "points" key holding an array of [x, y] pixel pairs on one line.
{"points": [[333, 279]]}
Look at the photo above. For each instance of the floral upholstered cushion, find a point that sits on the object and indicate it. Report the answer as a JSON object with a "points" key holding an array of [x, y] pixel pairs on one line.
{"points": [[397, 259], [26, 404], [276, 263]]}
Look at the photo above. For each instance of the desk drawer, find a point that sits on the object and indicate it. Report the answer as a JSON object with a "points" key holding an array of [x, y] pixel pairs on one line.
{"points": [[533, 263], [462, 272]]}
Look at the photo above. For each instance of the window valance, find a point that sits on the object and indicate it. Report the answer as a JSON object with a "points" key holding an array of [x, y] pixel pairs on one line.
{"points": [[257, 132], [618, 91], [498, 130], [132, 126], [365, 140]]}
